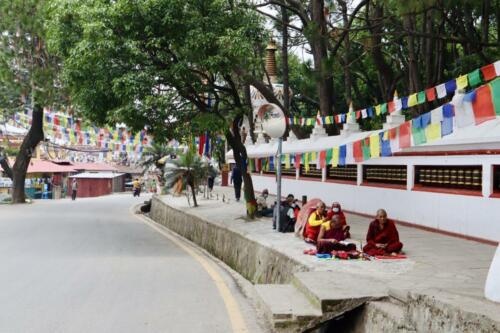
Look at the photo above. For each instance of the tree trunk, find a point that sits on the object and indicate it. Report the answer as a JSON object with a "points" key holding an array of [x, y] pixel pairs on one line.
{"points": [[485, 21], [31, 140], [248, 102], [240, 156], [374, 17], [414, 79], [347, 50], [284, 60], [318, 40], [193, 191], [4, 163]]}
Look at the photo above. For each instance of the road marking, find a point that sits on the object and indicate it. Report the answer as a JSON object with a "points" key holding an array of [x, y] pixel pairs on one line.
{"points": [[232, 306]]}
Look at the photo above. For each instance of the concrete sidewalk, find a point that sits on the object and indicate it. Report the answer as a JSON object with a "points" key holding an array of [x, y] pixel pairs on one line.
{"points": [[450, 269]]}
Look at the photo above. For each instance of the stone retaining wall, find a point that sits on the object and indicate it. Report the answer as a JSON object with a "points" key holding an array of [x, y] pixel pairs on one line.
{"points": [[257, 263]]}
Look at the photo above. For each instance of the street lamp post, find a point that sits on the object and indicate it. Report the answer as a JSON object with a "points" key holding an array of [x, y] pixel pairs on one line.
{"points": [[278, 184]]}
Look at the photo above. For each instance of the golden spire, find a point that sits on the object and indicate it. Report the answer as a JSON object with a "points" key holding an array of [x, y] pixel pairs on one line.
{"points": [[271, 61]]}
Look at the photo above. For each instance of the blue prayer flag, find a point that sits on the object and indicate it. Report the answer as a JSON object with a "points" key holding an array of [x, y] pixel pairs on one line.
{"points": [[342, 154], [470, 97], [426, 119], [385, 146], [404, 102], [417, 122], [447, 126], [369, 112], [451, 86], [271, 163], [448, 111]]}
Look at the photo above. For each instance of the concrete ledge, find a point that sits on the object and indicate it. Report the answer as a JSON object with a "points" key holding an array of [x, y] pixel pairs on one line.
{"points": [[257, 263], [426, 293]]}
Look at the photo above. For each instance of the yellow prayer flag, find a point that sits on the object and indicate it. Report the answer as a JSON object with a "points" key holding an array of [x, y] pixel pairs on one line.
{"points": [[328, 120], [306, 162], [287, 161], [313, 157], [386, 135], [374, 145], [335, 157], [378, 110], [412, 100], [433, 132], [462, 82]]}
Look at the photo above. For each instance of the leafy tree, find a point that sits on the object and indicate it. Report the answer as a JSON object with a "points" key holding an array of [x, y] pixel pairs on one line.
{"points": [[152, 156], [189, 169], [27, 74], [153, 62]]}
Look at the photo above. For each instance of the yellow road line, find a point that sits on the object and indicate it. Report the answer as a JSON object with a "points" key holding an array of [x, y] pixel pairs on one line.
{"points": [[232, 307]]}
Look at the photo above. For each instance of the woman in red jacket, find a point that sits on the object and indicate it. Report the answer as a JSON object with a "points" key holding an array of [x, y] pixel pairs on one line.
{"points": [[313, 225]]}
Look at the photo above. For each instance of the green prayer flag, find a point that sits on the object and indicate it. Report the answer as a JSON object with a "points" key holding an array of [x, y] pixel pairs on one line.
{"points": [[474, 78], [252, 164], [418, 136], [365, 145], [421, 97], [495, 95], [329, 154], [383, 108]]}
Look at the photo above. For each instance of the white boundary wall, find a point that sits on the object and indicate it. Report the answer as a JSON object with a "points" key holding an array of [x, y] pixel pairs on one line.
{"points": [[477, 216]]}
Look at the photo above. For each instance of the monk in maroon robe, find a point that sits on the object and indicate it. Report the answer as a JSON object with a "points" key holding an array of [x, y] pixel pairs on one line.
{"points": [[382, 237], [332, 235]]}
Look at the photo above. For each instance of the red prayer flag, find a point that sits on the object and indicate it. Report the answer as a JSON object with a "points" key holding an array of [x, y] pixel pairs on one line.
{"points": [[358, 114], [357, 151], [393, 133], [56, 120], [489, 72], [391, 107], [297, 161], [430, 94], [322, 159], [405, 135], [483, 105], [201, 144]]}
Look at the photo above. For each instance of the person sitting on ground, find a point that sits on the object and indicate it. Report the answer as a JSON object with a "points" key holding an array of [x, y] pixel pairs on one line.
{"points": [[382, 237], [262, 209], [332, 235], [296, 208], [287, 216], [336, 210], [314, 222]]}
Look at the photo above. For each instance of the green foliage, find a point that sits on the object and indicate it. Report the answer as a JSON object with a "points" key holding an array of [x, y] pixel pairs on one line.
{"points": [[27, 70], [189, 168], [153, 155], [154, 62]]}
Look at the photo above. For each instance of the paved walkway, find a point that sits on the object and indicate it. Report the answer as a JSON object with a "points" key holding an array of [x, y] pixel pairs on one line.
{"points": [[91, 266], [437, 264]]}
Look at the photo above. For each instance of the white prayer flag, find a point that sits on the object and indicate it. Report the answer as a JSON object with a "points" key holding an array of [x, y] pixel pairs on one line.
{"points": [[441, 91], [349, 158], [464, 115], [497, 67], [364, 114], [437, 115], [397, 105]]}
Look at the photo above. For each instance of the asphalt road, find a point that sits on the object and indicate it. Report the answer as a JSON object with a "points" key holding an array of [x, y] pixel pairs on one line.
{"points": [[91, 266]]}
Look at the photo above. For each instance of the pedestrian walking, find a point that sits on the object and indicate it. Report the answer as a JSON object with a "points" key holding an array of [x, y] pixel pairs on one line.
{"points": [[236, 179], [137, 188], [74, 188]]}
